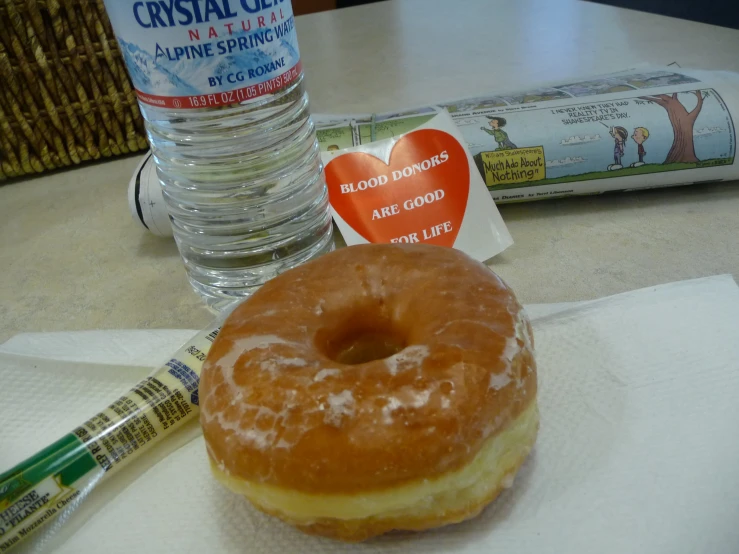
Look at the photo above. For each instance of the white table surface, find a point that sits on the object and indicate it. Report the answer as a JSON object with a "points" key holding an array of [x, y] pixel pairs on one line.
{"points": [[71, 257]]}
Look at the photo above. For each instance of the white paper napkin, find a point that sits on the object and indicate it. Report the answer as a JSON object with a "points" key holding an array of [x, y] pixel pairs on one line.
{"points": [[638, 450]]}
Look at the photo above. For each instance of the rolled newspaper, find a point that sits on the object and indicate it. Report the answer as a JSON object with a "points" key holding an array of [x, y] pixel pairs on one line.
{"points": [[639, 128]]}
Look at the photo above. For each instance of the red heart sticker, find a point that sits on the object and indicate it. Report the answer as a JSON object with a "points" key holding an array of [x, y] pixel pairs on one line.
{"points": [[419, 196]]}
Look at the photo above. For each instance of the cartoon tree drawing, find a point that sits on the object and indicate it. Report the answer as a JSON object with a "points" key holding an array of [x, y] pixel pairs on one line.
{"points": [[682, 120]]}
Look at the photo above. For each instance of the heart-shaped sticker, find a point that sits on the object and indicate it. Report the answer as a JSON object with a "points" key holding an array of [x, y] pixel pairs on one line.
{"points": [[419, 196]]}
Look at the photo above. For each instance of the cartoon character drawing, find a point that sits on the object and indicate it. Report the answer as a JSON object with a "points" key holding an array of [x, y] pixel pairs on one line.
{"points": [[500, 136], [641, 134], [619, 135]]}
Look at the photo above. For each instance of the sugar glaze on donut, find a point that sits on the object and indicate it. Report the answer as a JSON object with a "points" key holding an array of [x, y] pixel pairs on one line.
{"points": [[379, 387]]}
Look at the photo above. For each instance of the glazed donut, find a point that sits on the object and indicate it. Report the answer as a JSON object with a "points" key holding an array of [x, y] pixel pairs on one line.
{"points": [[378, 387]]}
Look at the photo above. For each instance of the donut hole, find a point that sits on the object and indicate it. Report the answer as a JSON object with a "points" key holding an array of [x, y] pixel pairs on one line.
{"points": [[358, 340]]}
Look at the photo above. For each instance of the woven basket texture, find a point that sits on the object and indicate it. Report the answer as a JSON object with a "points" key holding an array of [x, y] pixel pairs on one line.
{"points": [[65, 96]]}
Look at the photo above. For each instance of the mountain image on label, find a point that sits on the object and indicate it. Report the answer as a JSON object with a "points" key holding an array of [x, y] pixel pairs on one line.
{"points": [[188, 54]]}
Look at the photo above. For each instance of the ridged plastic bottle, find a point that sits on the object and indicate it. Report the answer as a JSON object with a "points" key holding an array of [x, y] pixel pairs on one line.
{"points": [[220, 86]]}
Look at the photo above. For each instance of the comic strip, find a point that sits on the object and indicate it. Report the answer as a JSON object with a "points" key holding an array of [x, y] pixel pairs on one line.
{"points": [[631, 136], [644, 124], [335, 132], [387, 127]]}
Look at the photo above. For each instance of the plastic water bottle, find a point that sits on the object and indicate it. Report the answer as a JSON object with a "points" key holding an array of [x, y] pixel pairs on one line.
{"points": [[220, 85]]}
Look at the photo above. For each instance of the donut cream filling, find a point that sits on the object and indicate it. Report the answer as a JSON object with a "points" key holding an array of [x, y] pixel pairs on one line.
{"points": [[493, 466]]}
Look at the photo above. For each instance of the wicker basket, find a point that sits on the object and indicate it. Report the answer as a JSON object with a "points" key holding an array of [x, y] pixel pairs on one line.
{"points": [[65, 96]]}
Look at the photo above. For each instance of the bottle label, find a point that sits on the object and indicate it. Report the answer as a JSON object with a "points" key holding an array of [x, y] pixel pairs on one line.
{"points": [[187, 54]]}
